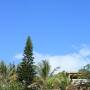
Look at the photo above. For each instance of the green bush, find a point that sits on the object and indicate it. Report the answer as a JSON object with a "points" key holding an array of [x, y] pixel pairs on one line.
{"points": [[11, 86]]}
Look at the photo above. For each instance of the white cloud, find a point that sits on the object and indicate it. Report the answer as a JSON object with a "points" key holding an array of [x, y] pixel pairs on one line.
{"points": [[70, 62], [18, 56], [38, 57]]}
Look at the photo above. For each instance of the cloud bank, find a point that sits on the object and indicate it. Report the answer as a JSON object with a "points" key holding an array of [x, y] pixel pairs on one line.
{"points": [[70, 62]]}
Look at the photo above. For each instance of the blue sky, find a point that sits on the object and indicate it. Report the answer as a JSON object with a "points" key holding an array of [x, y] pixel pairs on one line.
{"points": [[57, 27]]}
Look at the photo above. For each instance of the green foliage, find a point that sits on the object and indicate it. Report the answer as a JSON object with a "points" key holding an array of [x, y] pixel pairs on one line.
{"points": [[62, 79], [8, 80], [48, 81], [11, 86], [85, 71], [25, 70], [44, 69], [3, 69]]}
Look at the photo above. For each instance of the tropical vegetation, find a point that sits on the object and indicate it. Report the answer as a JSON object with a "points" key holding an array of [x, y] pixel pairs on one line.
{"points": [[29, 76]]}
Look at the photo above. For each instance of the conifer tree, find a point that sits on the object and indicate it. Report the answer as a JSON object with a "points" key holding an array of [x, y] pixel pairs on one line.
{"points": [[25, 70]]}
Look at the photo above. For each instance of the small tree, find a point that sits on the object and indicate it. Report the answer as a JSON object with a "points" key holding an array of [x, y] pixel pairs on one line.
{"points": [[3, 69], [85, 72], [25, 70]]}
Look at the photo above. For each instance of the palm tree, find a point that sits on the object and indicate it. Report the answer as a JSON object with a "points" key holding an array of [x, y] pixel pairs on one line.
{"points": [[44, 69], [47, 80], [44, 75]]}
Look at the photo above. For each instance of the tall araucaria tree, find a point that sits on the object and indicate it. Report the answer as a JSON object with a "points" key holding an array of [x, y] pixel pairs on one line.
{"points": [[26, 71]]}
